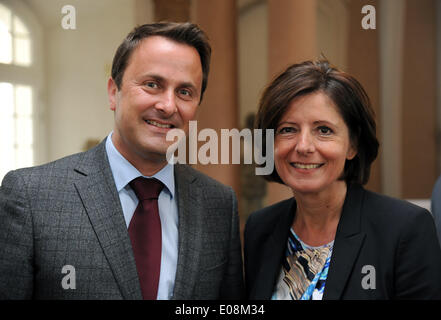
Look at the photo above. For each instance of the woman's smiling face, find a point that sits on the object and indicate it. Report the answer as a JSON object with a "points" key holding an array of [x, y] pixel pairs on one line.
{"points": [[312, 144]]}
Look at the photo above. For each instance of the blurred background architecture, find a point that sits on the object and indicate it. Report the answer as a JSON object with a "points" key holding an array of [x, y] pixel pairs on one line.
{"points": [[53, 98]]}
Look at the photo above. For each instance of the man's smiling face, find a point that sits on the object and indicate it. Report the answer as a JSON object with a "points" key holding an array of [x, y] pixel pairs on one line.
{"points": [[160, 90]]}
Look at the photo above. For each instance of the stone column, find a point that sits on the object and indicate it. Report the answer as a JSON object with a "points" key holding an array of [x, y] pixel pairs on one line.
{"points": [[292, 38], [419, 167], [391, 21], [172, 10], [363, 54], [292, 33], [143, 12], [219, 108]]}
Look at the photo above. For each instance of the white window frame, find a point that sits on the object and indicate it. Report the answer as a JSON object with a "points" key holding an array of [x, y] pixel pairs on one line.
{"points": [[32, 76]]}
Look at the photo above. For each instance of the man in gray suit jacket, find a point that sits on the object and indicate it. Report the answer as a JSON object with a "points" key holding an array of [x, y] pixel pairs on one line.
{"points": [[64, 225]]}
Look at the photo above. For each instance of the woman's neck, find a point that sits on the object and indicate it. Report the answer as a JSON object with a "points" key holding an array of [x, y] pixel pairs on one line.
{"points": [[318, 214]]}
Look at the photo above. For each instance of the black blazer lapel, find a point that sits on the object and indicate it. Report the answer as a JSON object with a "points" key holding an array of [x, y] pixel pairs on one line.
{"points": [[97, 191], [273, 253], [190, 236], [347, 244]]}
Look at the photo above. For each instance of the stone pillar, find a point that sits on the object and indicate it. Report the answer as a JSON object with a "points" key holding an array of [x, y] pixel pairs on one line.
{"points": [[363, 55], [292, 38], [419, 167], [219, 108], [143, 12], [391, 21], [292, 33], [172, 10]]}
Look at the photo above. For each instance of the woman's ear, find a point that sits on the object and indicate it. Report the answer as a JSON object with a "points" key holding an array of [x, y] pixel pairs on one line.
{"points": [[352, 152]]}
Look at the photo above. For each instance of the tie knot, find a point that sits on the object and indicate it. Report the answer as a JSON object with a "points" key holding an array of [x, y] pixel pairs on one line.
{"points": [[146, 188]]}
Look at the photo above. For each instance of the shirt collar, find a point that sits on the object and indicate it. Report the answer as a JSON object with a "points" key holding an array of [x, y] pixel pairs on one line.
{"points": [[124, 172]]}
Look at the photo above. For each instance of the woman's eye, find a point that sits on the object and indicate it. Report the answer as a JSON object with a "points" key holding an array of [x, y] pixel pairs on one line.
{"points": [[324, 130], [286, 130]]}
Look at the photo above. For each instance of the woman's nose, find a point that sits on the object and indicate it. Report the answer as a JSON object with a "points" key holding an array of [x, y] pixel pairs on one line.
{"points": [[305, 143]]}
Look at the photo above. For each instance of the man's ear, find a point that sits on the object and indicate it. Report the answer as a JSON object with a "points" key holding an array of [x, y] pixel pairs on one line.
{"points": [[112, 91]]}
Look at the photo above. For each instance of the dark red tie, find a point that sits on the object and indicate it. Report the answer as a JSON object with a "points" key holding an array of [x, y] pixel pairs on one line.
{"points": [[145, 235]]}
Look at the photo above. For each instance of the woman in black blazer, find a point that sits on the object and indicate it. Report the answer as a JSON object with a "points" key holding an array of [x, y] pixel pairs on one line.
{"points": [[333, 239]]}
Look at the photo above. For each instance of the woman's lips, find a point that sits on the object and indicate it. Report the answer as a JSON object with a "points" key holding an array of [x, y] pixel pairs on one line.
{"points": [[306, 166]]}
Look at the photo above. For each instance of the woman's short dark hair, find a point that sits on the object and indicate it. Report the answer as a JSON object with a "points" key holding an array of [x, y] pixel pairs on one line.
{"points": [[186, 33], [348, 95]]}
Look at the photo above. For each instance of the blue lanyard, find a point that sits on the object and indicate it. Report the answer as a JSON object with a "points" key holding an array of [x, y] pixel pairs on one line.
{"points": [[309, 291]]}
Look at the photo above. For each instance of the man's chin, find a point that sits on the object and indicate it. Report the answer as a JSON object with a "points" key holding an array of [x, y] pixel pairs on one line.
{"points": [[154, 153]]}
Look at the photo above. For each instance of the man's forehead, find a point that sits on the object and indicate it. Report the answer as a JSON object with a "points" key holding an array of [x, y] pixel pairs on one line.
{"points": [[161, 58], [155, 48], [154, 42]]}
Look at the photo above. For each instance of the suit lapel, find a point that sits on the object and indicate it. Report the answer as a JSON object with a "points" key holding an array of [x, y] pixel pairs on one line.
{"points": [[347, 245], [273, 252], [190, 237], [98, 193]]}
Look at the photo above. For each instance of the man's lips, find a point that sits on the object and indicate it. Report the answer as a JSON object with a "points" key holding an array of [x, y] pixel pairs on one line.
{"points": [[158, 124], [306, 166]]}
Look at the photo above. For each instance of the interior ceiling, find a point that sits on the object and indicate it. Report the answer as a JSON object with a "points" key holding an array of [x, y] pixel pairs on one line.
{"points": [[49, 13]]}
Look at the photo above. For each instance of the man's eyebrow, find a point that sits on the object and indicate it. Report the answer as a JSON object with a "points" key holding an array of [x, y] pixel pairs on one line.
{"points": [[162, 79], [154, 76], [188, 85]]}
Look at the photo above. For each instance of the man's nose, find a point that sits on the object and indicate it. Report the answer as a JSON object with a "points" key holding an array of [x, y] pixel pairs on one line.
{"points": [[166, 105], [305, 143]]}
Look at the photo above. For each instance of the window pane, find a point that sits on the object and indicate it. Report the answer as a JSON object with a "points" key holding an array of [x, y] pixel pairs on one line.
{"points": [[19, 27], [6, 130], [7, 100], [16, 127], [5, 46], [23, 100], [22, 52], [5, 35], [5, 17], [6, 161], [24, 131], [24, 157], [7, 133]]}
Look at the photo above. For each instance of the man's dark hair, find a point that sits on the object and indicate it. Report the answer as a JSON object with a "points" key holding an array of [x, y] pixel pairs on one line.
{"points": [[185, 33], [347, 94]]}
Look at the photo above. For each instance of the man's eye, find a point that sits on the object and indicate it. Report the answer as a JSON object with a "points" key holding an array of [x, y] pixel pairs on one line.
{"points": [[324, 130], [185, 92], [152, 85]]}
